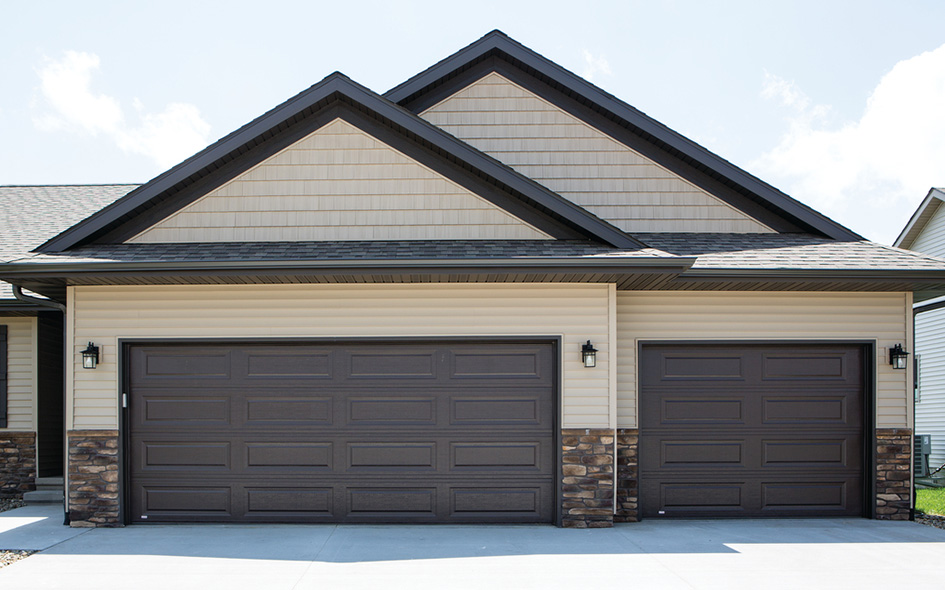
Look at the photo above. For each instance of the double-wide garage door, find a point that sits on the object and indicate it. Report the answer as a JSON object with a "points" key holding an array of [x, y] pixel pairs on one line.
{"points": [[356, 432], [751, 430]]}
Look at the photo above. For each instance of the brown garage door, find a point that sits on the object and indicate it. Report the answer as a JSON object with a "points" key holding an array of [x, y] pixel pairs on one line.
{"points": [[362, 432], [751, 430]]}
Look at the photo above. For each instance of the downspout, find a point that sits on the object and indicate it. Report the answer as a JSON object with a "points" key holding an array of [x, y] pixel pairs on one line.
{"points": [[18, 294], [915, 383]]}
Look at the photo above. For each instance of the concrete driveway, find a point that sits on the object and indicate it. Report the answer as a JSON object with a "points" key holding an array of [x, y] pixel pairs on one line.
{"points": [[807, 554]]}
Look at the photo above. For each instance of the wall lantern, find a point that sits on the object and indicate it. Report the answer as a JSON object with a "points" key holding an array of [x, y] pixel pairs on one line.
{"points": [[90, 357], [898, 357], [589, 355]]}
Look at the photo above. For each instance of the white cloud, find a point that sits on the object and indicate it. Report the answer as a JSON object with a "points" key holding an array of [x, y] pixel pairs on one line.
{"points": [[166, 137], [870, 173], [594, 65]]}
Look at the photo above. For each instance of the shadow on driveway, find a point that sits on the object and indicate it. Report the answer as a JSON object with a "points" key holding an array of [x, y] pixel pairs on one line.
{"points": [[40, 528]]}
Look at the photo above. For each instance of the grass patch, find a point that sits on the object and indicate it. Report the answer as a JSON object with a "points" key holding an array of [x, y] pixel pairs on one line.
{"points": [[931, 501]]}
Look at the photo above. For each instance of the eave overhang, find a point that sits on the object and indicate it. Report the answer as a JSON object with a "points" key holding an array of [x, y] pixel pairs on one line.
{"points": [[50, 279], [637, 273]]}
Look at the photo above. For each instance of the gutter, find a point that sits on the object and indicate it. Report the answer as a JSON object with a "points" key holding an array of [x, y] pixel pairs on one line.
{"points": [[18, 293], [387, 266]]}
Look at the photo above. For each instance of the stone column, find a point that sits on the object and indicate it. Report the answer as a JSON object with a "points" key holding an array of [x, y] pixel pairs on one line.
{"points": [[17, 463], [627, 494], [93, 478], [587, 457], [893, 473]]}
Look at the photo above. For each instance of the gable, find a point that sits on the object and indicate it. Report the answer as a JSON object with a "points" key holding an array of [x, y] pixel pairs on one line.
{"points": [[581, 163], [339, 183], [931, 238]]}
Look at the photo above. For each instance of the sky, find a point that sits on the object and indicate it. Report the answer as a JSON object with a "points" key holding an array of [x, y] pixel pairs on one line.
{"points": [[839, 104]]}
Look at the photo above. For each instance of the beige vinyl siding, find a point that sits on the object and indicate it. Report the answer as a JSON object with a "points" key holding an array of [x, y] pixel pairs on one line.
{"points": [[105, 314], [339, 183], [930, 409], [885, 318], [21, 373], [931, 240], [581, 163]]}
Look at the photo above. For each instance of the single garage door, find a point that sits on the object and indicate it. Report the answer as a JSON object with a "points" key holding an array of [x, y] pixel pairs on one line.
{"points": [[751, 430], [356, 432]]}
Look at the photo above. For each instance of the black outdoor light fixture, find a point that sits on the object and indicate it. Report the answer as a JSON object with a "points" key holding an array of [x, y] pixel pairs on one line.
{"points": [[90, 357], [898, 357], [589, 355]]}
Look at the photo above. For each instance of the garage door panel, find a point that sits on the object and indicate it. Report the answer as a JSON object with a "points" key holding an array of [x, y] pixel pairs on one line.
{"points": [[682, 453], [498, 410], [170, 501], [391, 457], [391, 365], [814, 363], [285, 410], [675, 367], [793, 409], [702, 496], [154, 365], [184, 455], [793, 420], [699, 410], [307, 456], [346, 433], [402, 410], [163, 408], [288, 502], [804, 496], [304, 363]]}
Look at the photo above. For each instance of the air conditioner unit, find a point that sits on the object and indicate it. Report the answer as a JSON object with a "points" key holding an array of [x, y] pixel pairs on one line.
{"points": [[920, 454]]}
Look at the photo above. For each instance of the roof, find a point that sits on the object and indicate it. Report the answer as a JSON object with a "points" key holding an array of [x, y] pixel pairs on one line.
{"points": [[338, 96], [498, 52], [30, 215], [920, 218], [782, 262], [787, 252], [728, 251]]}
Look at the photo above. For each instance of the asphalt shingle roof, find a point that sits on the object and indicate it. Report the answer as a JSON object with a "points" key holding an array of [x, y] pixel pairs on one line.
{"points": [[354, 250], [787, 251], [713, 251], [30, 215]]}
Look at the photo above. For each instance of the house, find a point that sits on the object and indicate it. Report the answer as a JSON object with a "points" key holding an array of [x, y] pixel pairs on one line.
{"points": [[31, 335], [924, 233], [495, 293]]}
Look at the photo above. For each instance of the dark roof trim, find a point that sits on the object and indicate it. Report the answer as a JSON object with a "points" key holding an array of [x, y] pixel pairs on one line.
{"points": [[920, 218], [716, 274], [195, 175], [931, 305], [439, 77], [12, 272]]}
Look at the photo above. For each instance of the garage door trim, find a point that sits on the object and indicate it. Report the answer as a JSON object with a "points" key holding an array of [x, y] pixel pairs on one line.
{"points": [[869, 398], [124, 378]]}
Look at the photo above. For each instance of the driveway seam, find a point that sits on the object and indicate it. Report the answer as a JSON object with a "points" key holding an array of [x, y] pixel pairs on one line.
{"points": [[311, 562]]}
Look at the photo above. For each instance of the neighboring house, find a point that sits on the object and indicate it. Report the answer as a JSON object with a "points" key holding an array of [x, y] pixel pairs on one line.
{"points": [[367, 308], [925, 233], [31, 335]]}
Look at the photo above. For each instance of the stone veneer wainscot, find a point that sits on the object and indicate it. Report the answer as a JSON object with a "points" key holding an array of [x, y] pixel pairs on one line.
{"points": [[93, 478], [628, 440], [587, 485], [893, 473], [17, 463]]}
